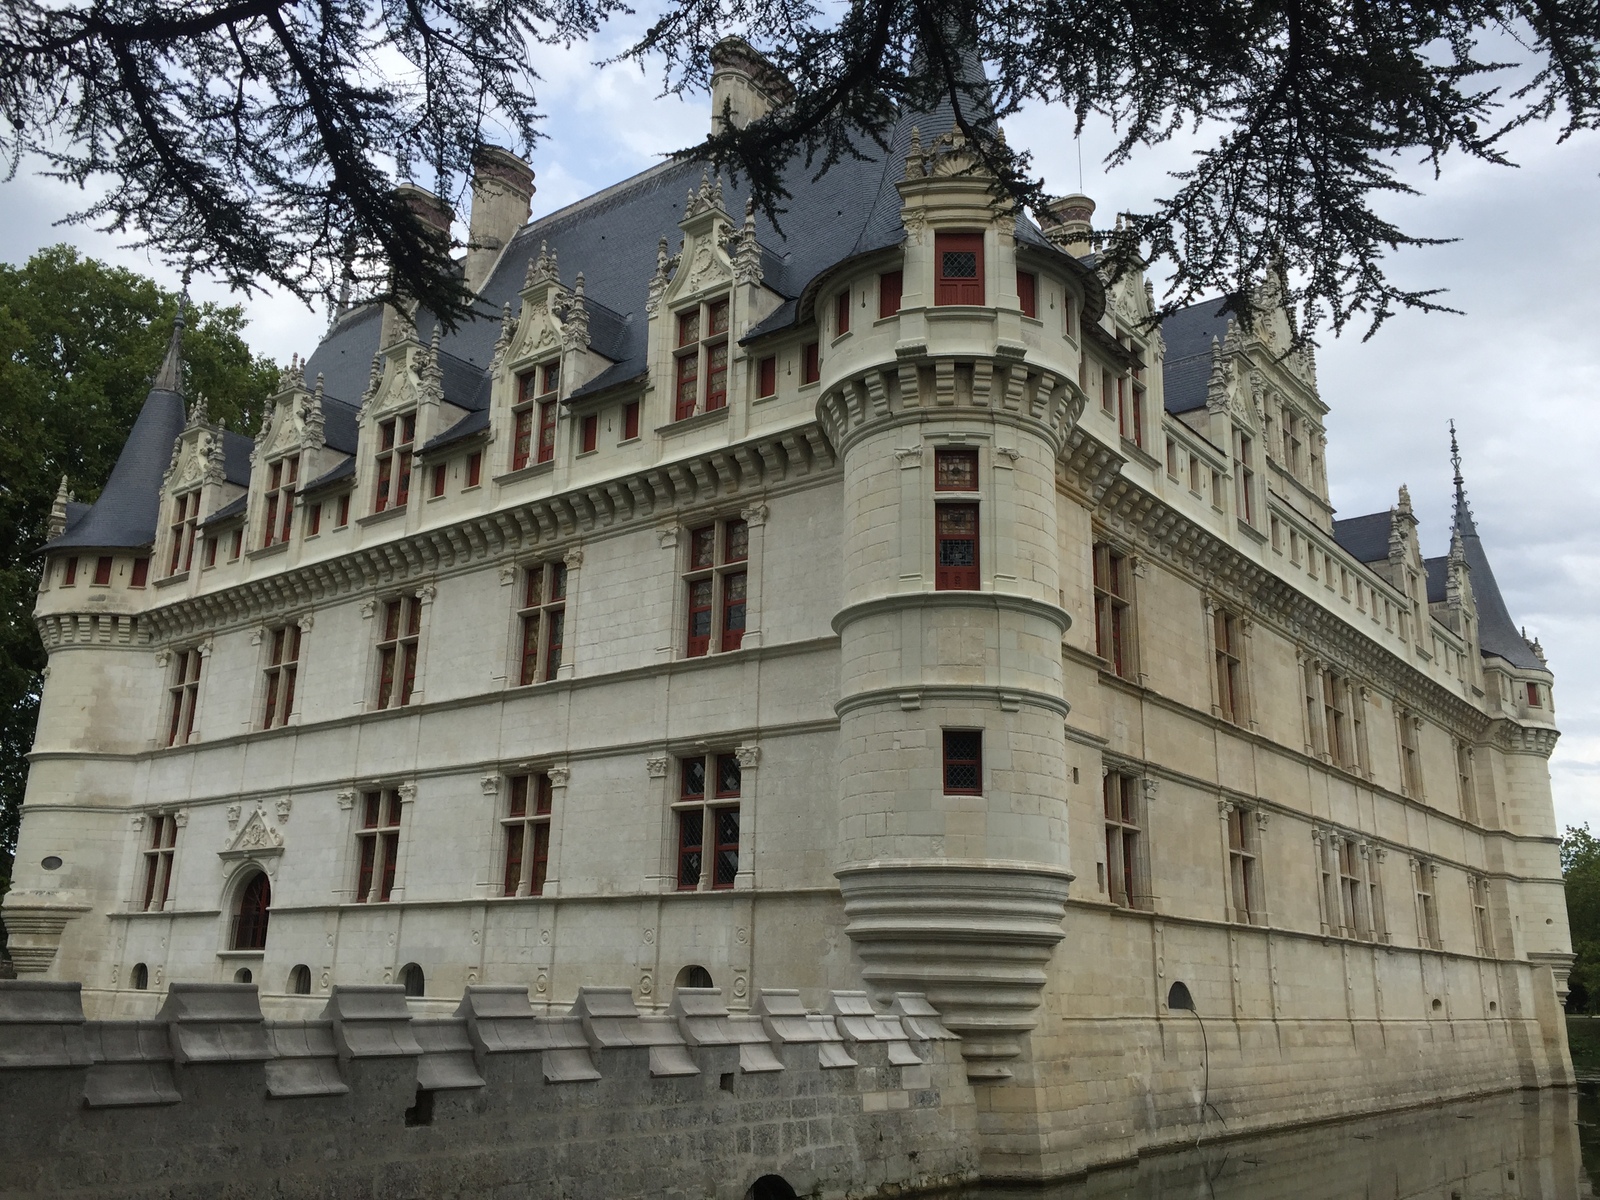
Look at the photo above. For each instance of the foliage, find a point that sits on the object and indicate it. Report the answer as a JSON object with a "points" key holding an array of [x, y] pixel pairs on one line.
{"points": [[261, 137], [79, 344], [1580, 867]]}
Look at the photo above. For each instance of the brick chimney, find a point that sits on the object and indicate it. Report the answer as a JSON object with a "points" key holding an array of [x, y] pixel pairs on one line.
{"points": [[502, 197], [1067, 222], [744, 82]]}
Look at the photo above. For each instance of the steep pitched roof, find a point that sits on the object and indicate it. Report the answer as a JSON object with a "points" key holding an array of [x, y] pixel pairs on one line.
{"points": [[1497, 632], [1365, 538], [125, 515], [1186, 370]]}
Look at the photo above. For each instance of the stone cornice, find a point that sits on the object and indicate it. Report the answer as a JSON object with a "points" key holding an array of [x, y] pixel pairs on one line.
{"points": [[999, 601], [778, 460]]}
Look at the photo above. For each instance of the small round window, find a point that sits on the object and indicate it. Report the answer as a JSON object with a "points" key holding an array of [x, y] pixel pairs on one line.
{"points": [[51, 862]]}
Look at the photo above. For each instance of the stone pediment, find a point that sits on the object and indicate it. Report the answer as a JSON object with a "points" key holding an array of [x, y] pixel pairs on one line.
{"points": [[255, 839]]}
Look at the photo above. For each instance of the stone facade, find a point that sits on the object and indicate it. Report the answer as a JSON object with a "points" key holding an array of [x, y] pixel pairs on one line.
{"points": [[764, 606]]}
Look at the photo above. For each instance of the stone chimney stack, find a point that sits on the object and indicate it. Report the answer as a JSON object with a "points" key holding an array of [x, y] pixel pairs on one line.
{"points": [[434, 212], [745, 83], [502, 198], [1068, 223]]}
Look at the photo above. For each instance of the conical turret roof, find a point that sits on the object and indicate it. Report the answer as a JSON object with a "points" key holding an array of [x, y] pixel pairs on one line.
{"points": [[1498, 634], [125, 515]]}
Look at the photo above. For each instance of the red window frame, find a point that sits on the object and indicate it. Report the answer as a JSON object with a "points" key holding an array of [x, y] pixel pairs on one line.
{"points": [[891, 286], [313, 521], [185, 517], [841, 313], [542, 616], [955, 469], [810, 363], [767, 377], [183, 696], [956, 549], [1113, 608], [379, 838], [950, 248], [475, 468], [527, 834], [211, 552], [344, 514], [158, 861], [141, 572], [1028, 293], [590, 436], [283, 665], [547, 430], [630, 420], [282, 476], [717, 583], [102, 570], [1533, 696], [398, 642], [962, 762], [698, 804], [439, 474], [69, 571], [250, 919], [537, 393], [396, 437], [235, 550]]}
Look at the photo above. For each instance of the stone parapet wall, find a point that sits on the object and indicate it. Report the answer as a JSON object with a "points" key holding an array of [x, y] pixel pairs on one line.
{"points": [[210, 1099]]}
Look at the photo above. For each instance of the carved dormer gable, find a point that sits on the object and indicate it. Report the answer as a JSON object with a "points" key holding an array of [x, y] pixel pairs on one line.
{"points": [[704, 262], [255, 839], [538, 330], [1230, 392]]}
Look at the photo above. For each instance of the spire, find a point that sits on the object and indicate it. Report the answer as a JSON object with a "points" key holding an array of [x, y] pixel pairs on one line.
{"points": [[170, 377], [1461, 521]]}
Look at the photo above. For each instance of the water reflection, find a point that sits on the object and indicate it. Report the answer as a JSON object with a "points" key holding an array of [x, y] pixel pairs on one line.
{"points": [[1526, 1145]]}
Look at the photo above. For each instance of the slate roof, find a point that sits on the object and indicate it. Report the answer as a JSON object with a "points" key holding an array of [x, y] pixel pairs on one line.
{"points": [[1186, 370], [236, 448], [125, 515], [469, 426], [330, 477], [234, 508], [1438, 578], [1497, 632], [1365, 539]]}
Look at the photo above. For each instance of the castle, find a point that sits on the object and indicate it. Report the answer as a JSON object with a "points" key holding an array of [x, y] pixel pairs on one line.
{"points": [[880, 602]]}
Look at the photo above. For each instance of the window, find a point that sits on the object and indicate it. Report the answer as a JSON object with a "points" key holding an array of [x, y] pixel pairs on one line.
{"points": [[158, 861], [437, 488], [1410, 763], [956, 548], [701, 817], [767, 377], [1352, 889], [69, 571], [1244, 477], [963, 762], [959, 260], [543, 620], [378, 845], [1108, 391], [810, 364], [102, 571], [1135, 417], [181, 529], [1335, 717], [300, 981], [890, 286], [1230, 666], [1244, 866], [282, 476], [1028, 293], [141, 572], [236, 548], [397, 650], [1216, 491], [1465, 783], [1194, 474], [955, 470], [717, 583], [1533, 688], [393, 486], [283, 663], [250, 917], [537, 392], [412, 980], [630, 421], [1113, 609], [702, 359], [1422, 874], [841, 313], [182, 694], [527, 833], [343, 511], [1478, 892], [139, 977], [1172, 460], [475, 468], [313, 523], [1125, 864], [589, 436]]}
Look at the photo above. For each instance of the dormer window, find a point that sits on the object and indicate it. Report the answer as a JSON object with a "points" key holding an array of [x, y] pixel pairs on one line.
{"points": [[1244, 477], [959, 261], [537, 393], [701, 369], [395, 438], [185, 516], [282, 476]]}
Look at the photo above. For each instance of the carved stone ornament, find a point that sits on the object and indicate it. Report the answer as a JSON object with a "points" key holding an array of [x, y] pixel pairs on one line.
{"points": [[368, 607], [255, 839], [668, 536], [136, 821], [490, 785], [306, 621], [508, 575], [181, 818], [233, 815], [755, 514], [347, 800], [573, 558], [1261, 818], [559, 776], [657, 766], [749, 757], [163, 657], [408, 792], [284, 805]]}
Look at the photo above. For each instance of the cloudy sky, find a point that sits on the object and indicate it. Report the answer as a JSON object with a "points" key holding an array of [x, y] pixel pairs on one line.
{"points": [[1519, 372]]}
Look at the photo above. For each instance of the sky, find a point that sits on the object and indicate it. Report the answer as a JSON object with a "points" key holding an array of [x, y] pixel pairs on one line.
{"points": [[1519, 371]]}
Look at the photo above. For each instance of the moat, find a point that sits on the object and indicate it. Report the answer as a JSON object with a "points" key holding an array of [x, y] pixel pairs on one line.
{"points": [[1529, 1145]]}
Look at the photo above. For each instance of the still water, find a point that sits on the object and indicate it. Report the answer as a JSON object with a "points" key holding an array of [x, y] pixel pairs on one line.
{"points": [[1526, 1145]]}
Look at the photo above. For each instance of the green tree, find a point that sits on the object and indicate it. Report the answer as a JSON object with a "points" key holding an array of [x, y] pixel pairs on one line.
{"points": [[262, 138], [79, 343], [1580, 868]]}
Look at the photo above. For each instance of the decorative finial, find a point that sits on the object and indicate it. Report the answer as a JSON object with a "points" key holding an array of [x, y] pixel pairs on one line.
{"points": [[1461, 519]]}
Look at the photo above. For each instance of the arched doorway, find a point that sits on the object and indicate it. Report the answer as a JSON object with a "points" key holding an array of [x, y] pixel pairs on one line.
{"points": [[250, 917], [771, 1187]]}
